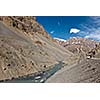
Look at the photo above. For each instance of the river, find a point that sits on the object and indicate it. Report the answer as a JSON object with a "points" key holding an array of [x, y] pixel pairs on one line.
{"points": [[40, 77]]}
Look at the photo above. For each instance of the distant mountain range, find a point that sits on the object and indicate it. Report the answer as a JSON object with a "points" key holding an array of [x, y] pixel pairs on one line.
{"points": [[77, 44]]}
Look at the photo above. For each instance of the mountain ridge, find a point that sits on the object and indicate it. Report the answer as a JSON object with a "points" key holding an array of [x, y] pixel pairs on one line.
{"points": [[78, 44]]}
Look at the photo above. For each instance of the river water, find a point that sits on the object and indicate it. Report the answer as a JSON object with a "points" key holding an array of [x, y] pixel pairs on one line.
{"points": [[41, 77]]}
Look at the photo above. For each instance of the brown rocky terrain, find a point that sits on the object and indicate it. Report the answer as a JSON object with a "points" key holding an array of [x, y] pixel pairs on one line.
{"points": [[78, 44], [26, 48], [86, 69]]}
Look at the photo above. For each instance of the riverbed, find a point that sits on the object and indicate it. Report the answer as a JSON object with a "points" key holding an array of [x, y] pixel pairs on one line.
{"points": [[39, 77]]}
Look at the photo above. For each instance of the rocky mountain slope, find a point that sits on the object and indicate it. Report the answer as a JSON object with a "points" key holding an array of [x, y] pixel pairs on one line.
{"points": [[25, 47], [78, 44], [86, 69]]}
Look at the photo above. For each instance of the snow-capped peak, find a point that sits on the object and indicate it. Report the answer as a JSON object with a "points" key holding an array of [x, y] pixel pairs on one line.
{"points": [[60, 39]]}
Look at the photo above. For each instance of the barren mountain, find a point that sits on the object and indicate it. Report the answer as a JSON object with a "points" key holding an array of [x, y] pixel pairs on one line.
{"points": [[78, 44], [26, 48], [85, 69]]}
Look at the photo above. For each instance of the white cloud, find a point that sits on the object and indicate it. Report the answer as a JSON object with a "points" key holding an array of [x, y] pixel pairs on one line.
{"points": [[91, 29], [60, 39], [52, 32], [74, 30], [91, 33], [94, 36], [96, 20]]}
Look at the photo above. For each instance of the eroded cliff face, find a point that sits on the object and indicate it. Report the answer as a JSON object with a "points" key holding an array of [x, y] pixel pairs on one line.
{"points": [[26, 48], [26, 24]]}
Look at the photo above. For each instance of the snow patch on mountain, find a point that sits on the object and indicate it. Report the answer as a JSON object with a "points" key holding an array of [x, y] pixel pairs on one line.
{"points": [[60, 39]]}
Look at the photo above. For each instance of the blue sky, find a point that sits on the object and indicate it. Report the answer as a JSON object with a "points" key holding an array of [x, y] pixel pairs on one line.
{"points": [[65, 27]]}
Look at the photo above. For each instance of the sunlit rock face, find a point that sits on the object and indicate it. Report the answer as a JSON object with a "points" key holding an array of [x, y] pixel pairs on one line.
{"points": [[26, 48]]}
